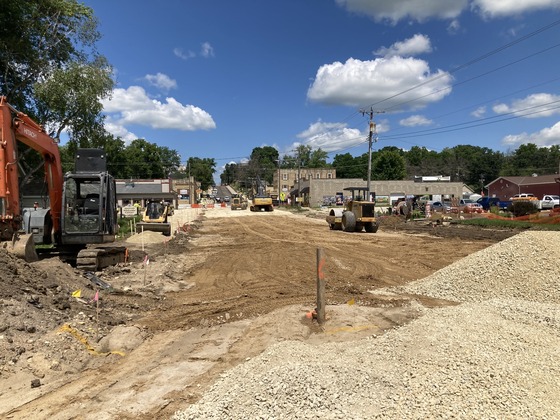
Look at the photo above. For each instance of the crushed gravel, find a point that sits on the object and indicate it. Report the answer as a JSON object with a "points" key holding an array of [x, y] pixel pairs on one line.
{"points": [[496, 355]]}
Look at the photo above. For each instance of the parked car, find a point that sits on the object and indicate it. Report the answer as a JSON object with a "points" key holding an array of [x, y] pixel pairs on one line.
{"points": [[440, 207], [466, 205], [524, 197], [487, 202], [549, 201]]}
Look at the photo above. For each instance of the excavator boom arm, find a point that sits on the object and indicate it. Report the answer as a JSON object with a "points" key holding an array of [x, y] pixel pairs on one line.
{"points": [[16, 126]]}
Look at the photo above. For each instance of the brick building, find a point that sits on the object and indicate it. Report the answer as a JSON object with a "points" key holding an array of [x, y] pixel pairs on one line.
{"points": [[507, 186]]}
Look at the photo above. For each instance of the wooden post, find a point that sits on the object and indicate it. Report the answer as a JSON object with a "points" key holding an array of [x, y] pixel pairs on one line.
{"points": [[320, 286], [97, 315]]}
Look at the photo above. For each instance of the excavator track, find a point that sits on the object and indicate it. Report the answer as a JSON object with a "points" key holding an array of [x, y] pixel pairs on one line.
{"points": [[95, 259]]}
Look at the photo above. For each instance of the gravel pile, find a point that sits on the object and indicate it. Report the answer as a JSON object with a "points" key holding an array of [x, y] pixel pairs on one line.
{"points": [[497, 355], [525, 266]]}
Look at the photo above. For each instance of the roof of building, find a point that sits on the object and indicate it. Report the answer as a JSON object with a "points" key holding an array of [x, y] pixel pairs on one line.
{"points": [[530, 180]]}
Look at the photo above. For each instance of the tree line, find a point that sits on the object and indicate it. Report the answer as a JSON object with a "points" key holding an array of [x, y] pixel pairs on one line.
{"points": [[473, 165]]}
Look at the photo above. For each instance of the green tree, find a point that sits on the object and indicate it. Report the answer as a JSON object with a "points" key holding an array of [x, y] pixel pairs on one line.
{"points": [[70, 99], [348, 166], [388, 165], [528, 159], [202, 170], [421, 161], [318, 159], [263, 163], [50, 69], [143, 159], [473, 165], [305, 157], [38, 37], [230, 175]]}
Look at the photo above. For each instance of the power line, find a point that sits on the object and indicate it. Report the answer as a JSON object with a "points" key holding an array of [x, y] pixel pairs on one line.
{"points": [[484, 121], [473, 61]]}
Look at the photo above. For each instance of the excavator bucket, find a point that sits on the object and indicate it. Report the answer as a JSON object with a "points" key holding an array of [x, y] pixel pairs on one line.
{"points": [[164, 228], [22, 246]]}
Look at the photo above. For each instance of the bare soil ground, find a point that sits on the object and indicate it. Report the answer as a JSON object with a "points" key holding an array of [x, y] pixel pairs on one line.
{"points": [[219, 292]]}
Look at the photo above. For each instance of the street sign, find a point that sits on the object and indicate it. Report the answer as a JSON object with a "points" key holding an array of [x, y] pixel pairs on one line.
{"points": [[129, 211]]}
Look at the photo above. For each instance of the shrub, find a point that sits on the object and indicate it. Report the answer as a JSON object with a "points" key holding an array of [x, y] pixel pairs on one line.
{"points": [[523, 208]]}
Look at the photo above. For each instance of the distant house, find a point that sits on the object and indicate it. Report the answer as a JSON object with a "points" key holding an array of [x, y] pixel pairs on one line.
{"points": [[144, 190], [507, 186]]}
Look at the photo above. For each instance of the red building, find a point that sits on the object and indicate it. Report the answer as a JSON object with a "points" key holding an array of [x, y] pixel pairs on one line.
{"points": [[507, 186]]}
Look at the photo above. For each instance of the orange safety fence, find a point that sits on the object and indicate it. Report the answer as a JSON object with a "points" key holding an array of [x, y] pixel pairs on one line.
{"points": [[553, 217]]}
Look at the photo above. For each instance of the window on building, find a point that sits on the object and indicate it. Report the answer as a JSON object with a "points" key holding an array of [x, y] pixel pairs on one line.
{"points": [[329, 175], [284, 177], [318, 176]]}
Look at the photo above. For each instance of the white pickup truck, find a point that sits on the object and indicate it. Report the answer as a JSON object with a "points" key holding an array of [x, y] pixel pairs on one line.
{"points": [[549, 201]]}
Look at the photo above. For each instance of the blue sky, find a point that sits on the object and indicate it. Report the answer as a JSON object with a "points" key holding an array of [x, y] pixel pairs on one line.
{"points": [[217, 78]]}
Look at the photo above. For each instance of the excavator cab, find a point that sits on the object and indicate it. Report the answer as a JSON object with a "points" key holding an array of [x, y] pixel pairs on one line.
{"points": [[87, 215], [88, 207]]}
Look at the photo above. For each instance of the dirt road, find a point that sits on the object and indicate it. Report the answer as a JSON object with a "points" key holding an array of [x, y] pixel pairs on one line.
{"points": [[221, 292]]}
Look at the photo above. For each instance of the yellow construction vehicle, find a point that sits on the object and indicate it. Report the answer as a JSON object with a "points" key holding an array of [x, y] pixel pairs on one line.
{"points": [[261, 202], [238, 203], [357, 215], [155, 219]]}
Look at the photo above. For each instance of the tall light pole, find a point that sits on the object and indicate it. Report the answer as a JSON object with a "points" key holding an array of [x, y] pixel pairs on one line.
{"points": [[371, 138]]}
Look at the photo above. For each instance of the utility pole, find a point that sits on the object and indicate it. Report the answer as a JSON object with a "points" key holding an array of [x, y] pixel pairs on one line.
{"points": [[298, 202], [371, 138]]}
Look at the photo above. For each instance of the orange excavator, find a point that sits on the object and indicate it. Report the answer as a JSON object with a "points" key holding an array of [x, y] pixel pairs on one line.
{"points": [[81, 207]]}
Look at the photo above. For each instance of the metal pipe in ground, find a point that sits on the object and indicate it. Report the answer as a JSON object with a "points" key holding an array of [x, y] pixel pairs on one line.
{"points": [[320, 286]]}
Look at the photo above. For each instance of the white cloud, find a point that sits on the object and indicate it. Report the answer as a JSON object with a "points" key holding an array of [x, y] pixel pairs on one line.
{"points": [[500, 8], [416, 45], [395, 10], [207, 50], [415, 121], [536, 105], [161, 81], [454, 27], [548, 136], [133, 106], [358, 83], [183, 55], [119, 130], [479, 112], [329, 137]]}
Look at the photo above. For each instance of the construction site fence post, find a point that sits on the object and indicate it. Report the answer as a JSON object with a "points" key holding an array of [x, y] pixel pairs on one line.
{"points": [[320, 286]]}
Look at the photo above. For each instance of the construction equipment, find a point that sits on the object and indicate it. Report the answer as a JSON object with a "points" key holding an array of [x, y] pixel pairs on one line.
{"points": [[261, 202], [238, 203], [82, 206], [155, 219], [358, 214]]}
